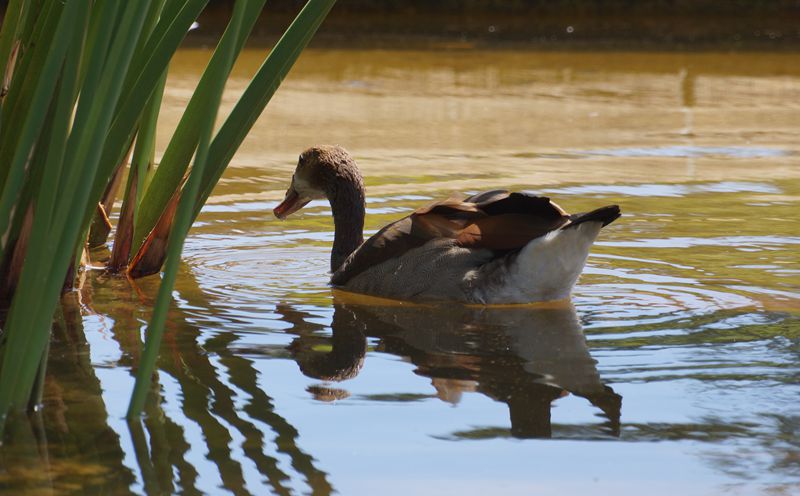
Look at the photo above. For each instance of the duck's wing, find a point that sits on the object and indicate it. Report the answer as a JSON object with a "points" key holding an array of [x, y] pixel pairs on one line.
{"points": [[512, 220], [496, 220], [441, 219]]}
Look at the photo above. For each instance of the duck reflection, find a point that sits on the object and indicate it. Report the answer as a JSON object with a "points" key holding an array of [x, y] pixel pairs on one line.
{"points": [[523, 356], [218, 407]]}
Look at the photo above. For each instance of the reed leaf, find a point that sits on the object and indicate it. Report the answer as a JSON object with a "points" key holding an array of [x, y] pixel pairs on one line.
{"points": [[279, 62], [147, 71], [259, 92], [29, 106], [140, 55], [218, 75], [124, 234], [28, 66], [183, 144], [150, 257], [26, 332], [52, 243], [100, 226], [141, 167], [108, 64], [12, 267], [230, 136], [9, 35], [40, 28], [83, 70]]}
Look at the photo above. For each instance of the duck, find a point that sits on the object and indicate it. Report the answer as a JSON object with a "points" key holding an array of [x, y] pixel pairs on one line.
{"points": [[493, 247]]}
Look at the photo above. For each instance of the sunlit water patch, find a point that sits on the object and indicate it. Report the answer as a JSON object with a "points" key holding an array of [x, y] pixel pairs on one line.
{"points": [[673, 370], [671, 324], [672, 190], [740, 152]]}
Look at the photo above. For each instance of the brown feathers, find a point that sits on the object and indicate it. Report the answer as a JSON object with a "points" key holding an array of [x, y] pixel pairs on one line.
{"points": [[499, 221], [456, 236], [506, 231]]}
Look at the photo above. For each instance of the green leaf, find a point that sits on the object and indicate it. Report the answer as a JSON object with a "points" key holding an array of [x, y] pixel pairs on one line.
{"points": [[26, 333], [259, 92], [176, 158], [54, 237], [146, 73], [32, 121], [10, 31], [218, 74]]}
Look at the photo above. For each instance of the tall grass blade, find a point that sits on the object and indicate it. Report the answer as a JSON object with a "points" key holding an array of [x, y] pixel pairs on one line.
{"points": [[27, 68], [141, 166], [101, 224], [16, 257], [147, 71], [183, 218], [52, 243], [122, 240], [9, 71], [83, 70], [150, 257], [26, 331], [93, 116], [46, 169], [259, 92], [9, 35], [178, 154], [17, 150], [237, 125]]}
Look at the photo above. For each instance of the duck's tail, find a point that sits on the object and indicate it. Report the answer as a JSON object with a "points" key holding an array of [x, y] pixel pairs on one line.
{"points": [[606, 215], [547, 267]]}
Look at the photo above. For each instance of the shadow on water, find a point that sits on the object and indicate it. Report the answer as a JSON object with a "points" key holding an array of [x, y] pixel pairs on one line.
{"points": [[690, 305], [70, 444], [212, 401], [523, 356], [212, 392]]}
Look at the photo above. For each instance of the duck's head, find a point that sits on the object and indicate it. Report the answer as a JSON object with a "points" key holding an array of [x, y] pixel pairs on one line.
{"points": [[320, 173]]}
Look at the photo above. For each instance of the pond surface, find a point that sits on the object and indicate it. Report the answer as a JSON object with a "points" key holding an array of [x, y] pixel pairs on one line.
{"points": [[674, 369]]}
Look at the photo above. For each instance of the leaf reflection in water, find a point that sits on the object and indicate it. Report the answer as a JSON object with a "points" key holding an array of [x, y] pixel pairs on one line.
{"points": [[67, 444], [523, 356], [74, 444], [212, 398]]}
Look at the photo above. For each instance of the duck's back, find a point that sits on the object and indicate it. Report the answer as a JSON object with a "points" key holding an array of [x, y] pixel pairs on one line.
{"points": [[485, 249]]}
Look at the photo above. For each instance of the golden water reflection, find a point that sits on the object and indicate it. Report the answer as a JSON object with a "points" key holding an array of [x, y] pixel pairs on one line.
{"points": [[485, 119], [523, 356], [688, 307]]}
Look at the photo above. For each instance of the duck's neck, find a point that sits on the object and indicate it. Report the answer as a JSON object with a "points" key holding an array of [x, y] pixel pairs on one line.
{"points": [[347, 204]]}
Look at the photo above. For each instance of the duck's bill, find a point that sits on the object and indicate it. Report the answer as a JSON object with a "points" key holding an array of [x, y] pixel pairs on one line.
{"points": [[292, 203]]}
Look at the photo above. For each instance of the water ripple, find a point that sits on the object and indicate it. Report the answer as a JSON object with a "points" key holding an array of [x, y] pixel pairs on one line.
{"points": [[680, 151], [665, 190], [691, 241]]}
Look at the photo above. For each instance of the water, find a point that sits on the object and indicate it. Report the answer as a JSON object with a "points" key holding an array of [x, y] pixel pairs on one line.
{"points": [[673, 370]]}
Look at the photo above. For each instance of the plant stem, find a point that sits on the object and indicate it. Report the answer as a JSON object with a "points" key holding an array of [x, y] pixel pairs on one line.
{"points": [[183, 220]]}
